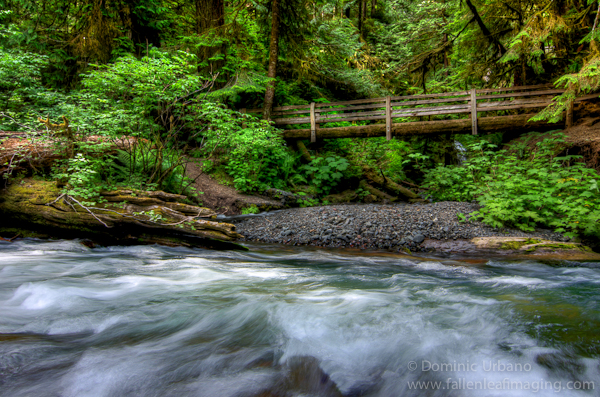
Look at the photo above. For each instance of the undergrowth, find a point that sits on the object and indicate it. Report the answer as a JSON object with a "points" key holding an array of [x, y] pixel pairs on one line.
{"points": [[524, 189]]}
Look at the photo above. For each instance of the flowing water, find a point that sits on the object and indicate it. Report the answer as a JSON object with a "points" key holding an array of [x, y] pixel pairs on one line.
{"points": [[157, 321]]}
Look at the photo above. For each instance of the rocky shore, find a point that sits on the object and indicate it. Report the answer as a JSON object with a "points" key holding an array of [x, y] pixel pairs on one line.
{"points": [[398, 227]]}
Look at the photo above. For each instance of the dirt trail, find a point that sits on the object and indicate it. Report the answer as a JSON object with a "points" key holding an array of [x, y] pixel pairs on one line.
{"points": [[224, 199]]}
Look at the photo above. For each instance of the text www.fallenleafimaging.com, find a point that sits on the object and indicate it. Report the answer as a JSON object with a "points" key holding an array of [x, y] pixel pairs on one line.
{"points": [[506, 383]]}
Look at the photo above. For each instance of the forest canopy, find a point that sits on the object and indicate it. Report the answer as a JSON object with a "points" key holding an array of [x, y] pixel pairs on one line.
{"points": [[323, 49]]}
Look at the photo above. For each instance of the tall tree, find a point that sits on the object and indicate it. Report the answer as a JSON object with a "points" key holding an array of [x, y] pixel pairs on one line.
{"points": [[210, 17], [273, 58]]}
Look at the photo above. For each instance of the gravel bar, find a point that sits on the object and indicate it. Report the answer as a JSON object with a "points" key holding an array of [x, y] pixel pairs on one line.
{"points": [[374, 226]]}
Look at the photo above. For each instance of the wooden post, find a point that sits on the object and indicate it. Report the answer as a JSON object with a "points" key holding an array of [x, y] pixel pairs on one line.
{"points": [[388, 117], [474, 111], [313, 124], [569, 121]]}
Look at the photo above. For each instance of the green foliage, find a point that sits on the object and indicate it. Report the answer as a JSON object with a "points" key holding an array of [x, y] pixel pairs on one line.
{"points": [[362, 193], [326, 172], [538, 189], [304, 201], [20, 79], [252, 209], [584, 81], [159, 92], [152, 166], [256, 155], [151, 216], [82, 176]]}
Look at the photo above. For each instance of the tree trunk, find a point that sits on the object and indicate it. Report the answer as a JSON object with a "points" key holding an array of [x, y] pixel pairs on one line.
{"points": [[517, 123], [273, 55], [360, 16], [303, 151], [446, 61], [210, 16]]}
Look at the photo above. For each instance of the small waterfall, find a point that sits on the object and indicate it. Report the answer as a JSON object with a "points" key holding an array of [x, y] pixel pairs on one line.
{"points": [[460, 152]]}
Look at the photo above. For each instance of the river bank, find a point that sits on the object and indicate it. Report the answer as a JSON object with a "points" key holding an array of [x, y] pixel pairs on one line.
{"points": [[398, 227]]}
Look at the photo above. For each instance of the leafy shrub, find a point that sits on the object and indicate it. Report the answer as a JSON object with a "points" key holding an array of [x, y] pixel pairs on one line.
{"points": [[252, 209], [20, 80], [82, 177], [326, 172], [152, 166], [257, 157], [305, 201], [539, 189], [157, 92]]}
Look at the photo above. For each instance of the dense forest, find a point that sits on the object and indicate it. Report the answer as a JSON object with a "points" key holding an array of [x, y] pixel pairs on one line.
{"points": [[130, 91]]}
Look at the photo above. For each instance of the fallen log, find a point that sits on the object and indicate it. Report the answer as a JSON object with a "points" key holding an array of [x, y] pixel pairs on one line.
{"points": [[20, 150], [458, 126], [401, 191], [376, 192], [126, 217]]}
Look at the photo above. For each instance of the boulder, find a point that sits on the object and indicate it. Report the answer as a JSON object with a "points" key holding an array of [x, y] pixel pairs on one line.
{"points": [[537, 246]]}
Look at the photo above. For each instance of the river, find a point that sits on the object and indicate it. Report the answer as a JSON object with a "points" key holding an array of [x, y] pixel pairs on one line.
{"points": [[278, 321]]}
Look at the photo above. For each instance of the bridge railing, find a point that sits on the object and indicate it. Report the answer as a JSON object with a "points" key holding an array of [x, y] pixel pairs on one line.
{"points": [[392, 107]]}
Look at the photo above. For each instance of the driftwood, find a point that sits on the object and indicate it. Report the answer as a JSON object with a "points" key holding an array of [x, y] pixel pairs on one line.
{"points": [[125, 217]]}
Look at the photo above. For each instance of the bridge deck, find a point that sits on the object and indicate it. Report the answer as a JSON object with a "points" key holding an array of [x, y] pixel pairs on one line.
{"points": [[399, 112]]}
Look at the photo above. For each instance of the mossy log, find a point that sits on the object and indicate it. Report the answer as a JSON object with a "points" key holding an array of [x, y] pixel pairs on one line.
{"points": [[125, 217], [518, 122]]}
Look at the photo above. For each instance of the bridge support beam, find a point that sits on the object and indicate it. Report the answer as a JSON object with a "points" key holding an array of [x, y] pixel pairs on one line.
{"points": [[515, 123]]}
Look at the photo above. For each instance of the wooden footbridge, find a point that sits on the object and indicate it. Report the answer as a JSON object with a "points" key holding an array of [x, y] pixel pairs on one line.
{"points": [[398, 115]]}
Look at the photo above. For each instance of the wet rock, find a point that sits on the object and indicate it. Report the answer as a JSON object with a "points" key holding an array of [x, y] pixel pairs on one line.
{"points": [[537, 246], [418, 238], [305, 375], [561, 365]]}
